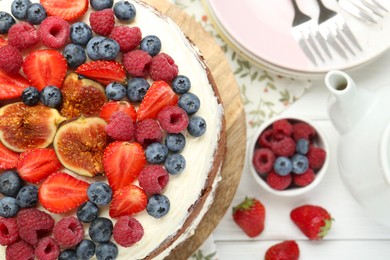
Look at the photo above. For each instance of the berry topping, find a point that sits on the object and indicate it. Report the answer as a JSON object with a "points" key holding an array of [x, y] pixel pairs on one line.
{"points": [[163, 67], [68, 231], [175, 142], [102, 22], [175, 163], [8, 207], [283, 146], [156, 153], [278, 182], [10, 183], [263, 160], [23, 36], [27, 196], [9, 233], [316, 157], [30, 96], [127, 201], [101, 4], [87, 212], [300, 164], [108, 49], [127, 37], [189, 102], [111, 107], [137, 88], [19, 250], [80, 33], [34, 224], [302, 146], [305, 178], [282, 128], [68, 10], [197, 126], [151, 44], [54, 32], [36, 13], [11, 85], [107, 250], [153, 179], [158, 206], [124, 11], [6, 21], [86, 249], [147, 132], [127, 231], [103, 71], [173, 119], [123, 162], [303, 130], [60, 185], [282, 166], [51, 96], [99, 193], [121, 127], [285, 250], [8, 158], [74, 55], [19, 8], [137, 63], [11, 59], [115, 91], [100, 230], [249, 215], [68, 254], [93, 46], [36, 164], [181, 84], [47, 249]]}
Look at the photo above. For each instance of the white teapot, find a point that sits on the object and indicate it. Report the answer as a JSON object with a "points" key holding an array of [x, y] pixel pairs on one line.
{"points": [[362, 118]]}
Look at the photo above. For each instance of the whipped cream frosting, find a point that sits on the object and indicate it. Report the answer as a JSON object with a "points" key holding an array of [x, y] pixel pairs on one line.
{"points": [[183, 190]]}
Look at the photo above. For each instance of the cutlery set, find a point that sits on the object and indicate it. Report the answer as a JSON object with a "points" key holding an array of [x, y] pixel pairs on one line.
{"points": [[315, 38]]}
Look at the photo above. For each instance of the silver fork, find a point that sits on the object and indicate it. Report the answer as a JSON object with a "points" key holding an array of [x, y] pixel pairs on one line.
{"points": [[367, 10]]}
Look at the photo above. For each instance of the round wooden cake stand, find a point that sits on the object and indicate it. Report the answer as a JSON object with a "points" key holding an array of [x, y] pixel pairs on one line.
{"points": [[235, 124]]}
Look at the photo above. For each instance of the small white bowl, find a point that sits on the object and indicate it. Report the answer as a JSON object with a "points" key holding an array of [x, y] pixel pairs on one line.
{"points": [[319, 141]]}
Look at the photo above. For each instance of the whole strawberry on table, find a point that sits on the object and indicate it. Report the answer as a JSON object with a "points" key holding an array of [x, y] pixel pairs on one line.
{"points": [[249, 215]]}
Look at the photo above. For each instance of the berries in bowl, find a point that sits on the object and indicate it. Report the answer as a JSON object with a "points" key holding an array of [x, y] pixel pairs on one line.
{"points": [[288, 156]]}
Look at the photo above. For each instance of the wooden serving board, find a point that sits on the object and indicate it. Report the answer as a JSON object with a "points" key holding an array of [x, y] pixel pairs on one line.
{"points": [[235, 124]]}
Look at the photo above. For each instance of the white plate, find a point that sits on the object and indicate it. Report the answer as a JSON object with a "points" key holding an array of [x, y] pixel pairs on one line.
{"points": [[261, 30]]}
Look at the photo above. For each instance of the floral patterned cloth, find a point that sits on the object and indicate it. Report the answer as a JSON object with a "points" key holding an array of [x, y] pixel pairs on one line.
{"points": [[264, 93]]}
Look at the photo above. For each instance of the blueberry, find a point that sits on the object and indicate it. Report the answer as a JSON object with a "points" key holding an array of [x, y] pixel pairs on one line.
{"points": [[124, 11], [105, 251], [189, 102], [175, 142], [87, 212], [282, 166], [196, 126], [74, 55], [93, 47], [36, 13], [27, 196], [302, 146], [175, 163], [115, 91], [100, 230], [300, 163], [101, 4], [158, 206], [80, 33], [151, 44], [156, 153], [99, 193], [30, 96], [136, 89], [108, 49], [181, 84], [19, 8], [8, 207], [51, 96], [85, 249], [68, 254], [10, 183], [6, 21]]}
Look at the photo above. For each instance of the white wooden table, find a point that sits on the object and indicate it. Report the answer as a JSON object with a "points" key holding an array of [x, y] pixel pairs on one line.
{"points": [[354, 234]]}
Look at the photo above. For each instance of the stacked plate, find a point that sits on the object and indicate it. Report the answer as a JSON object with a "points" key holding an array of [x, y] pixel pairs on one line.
{"points": [[261, 31]]}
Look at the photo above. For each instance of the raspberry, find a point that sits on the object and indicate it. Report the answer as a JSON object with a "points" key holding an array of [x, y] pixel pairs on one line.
{"points": [[23, 36], [263, 160], [148, 131], [127, 37], [47, 249], [163, 67], [54, 32], [8, 231], [305, 178], [278, 182], [316, 157], [127, 231], [284, 147], [265, 139], [153, 179], [19, 250], [11, 59], [102, 22], [137, 63], [303, 130], [173, 119], [121, 127], [282, 127], [68, 232], [34, 224]]}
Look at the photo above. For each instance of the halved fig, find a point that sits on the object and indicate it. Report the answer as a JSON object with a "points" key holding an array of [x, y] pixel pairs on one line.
{"points": [[23, 127], [80, 143], [81, 96]]}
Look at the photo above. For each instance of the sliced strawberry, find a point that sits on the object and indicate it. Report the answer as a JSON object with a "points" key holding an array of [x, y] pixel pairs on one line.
{"points": [[103, 71], [123, 162], [61, 192], [36, 164], [12, 85], [8, 158], [158, 96], [114, 106], [68, 10], [44, 68], [127, 201], [3, 41]]}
